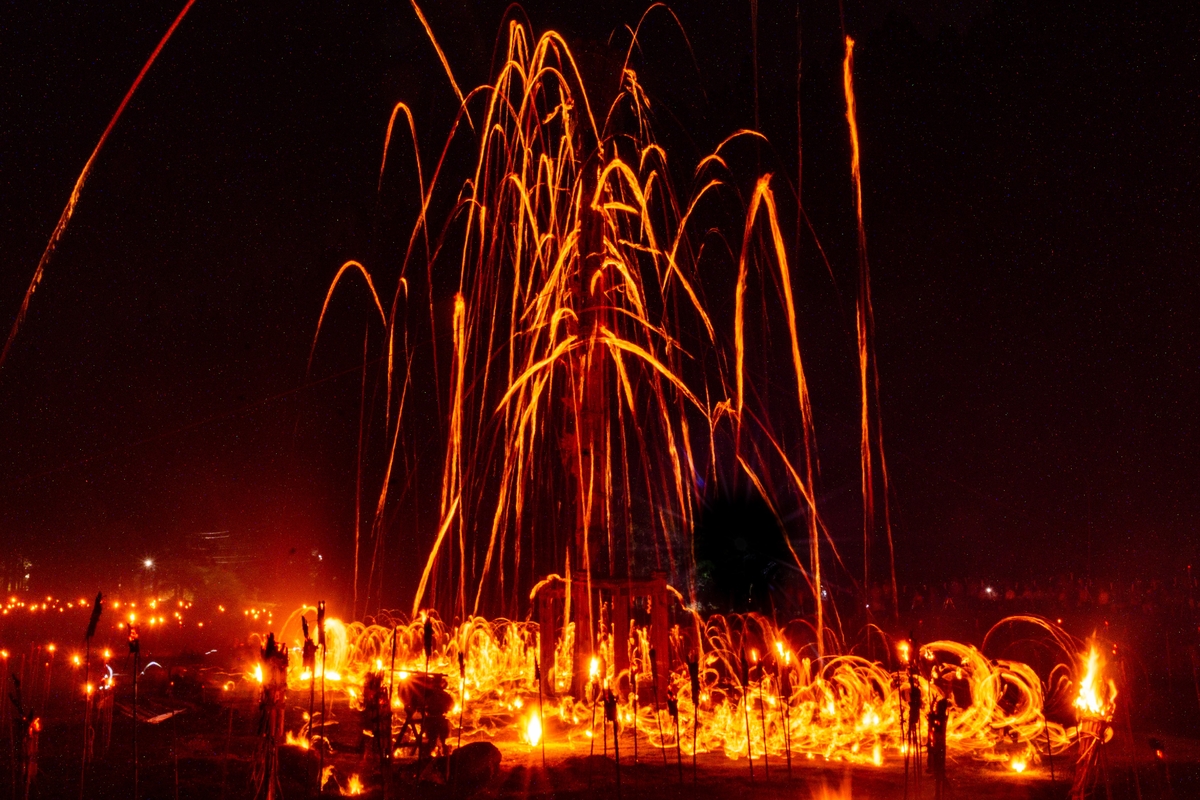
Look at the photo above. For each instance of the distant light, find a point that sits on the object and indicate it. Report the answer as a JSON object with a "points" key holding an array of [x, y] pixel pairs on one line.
{"points": [[148, 563]]}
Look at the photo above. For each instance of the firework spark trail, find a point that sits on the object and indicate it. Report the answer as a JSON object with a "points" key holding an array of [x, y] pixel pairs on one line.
{"points": [[576, 262], [73, 200], [868, 364]]}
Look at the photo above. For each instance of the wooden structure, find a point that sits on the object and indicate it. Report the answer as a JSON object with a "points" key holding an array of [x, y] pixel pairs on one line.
{"points": [[620, 594]]}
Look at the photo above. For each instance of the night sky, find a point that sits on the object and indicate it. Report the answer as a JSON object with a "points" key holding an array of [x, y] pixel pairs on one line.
{"points": [[1030, 179]]}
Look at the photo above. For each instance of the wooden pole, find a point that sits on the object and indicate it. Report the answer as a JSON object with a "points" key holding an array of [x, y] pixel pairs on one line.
{"points": [[136, 664], [225, 759], [746, 713], [657, 716], [693, 668], [537, 668], [762, 713], [87, 711], [324, 648]]}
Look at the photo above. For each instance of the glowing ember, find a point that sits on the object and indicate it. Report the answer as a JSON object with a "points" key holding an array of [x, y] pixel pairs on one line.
{"points": [[1018, 765]]}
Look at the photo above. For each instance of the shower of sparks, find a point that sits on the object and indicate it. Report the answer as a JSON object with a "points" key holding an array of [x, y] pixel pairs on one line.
{"points": [[585, 362]]}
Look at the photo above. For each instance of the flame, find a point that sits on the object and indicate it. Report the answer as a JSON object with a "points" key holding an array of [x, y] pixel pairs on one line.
{"points": [[292, 740], [1096, 696], [533, 731], [1018, 765], [827, 792], [258, 673], [353, 787]]}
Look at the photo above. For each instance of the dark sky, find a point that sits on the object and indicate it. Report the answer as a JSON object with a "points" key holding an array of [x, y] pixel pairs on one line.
{"points": [[1030, 179]]}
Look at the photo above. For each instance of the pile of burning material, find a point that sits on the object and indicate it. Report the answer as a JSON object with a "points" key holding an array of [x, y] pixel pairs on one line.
{"points": [[1095, 706]]}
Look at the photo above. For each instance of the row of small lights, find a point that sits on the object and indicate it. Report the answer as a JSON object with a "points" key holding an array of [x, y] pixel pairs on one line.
{"points": [[54, 604]]}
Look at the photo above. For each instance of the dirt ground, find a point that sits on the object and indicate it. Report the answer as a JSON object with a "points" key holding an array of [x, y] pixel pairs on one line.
{"points": [[209, 751]]}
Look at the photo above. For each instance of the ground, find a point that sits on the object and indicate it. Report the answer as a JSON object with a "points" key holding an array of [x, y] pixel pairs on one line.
{"points": [[211, 747]]}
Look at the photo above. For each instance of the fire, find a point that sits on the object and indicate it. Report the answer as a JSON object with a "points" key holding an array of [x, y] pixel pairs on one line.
{"points": [[258, 673], [1018, 765], [841, 708], [353, 787], [579, 279], [295, 741], [533, 731], [1096, 696]]}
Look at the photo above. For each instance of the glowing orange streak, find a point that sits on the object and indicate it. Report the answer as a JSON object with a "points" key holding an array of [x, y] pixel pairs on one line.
{"points": [[441, 57], [806, 492], [329, 296], [763, 194], [437, 544], [674, 264], [387, 476], [570, 343], [453, 474], [868, 483], [647, 151], [73, 200], [670, 342], [852, 118], [387, 139], [509, 471], [630, 347], [539, 54], [865, 331], [628, 280], [628, 389]]}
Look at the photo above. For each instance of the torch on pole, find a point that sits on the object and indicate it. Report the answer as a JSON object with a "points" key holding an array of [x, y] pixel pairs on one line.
{"points": [[693, 668], [657, 716], [324, 652], [537, 676], [593, 671], [610, 713], [97, 607], [784, 690], [746, 712], [762, 713], [462, 697], [308, 658], [673, 710], [633, 696], [134, 650]]}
